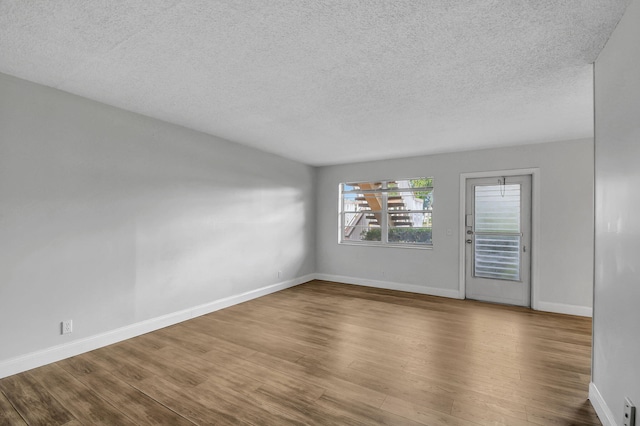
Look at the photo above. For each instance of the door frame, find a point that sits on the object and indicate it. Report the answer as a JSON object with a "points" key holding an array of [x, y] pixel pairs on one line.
{"points": [[535, 226]]}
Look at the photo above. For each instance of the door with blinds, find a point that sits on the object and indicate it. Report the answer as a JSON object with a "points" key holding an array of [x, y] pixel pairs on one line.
{"points": [[497, 239]]}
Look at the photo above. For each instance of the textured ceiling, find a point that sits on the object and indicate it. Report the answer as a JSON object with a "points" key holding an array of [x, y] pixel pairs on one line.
{"points": [[325, 81]]}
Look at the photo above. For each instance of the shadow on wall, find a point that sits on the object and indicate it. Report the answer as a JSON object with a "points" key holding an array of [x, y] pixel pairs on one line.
{"points": [[110, 218]]}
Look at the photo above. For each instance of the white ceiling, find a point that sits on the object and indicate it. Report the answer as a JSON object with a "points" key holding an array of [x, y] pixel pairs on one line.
{"points": [[325, 81]]}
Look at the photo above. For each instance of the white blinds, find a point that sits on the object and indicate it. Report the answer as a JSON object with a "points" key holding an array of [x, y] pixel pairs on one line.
{"points": [[497, 232]]}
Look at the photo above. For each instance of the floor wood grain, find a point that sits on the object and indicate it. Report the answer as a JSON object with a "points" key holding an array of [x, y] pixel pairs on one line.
{"points": [[325, 353]]}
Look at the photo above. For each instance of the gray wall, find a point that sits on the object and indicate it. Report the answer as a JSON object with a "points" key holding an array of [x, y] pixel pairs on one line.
{"points": [[111, 218], [616, 348], [566, 222]]}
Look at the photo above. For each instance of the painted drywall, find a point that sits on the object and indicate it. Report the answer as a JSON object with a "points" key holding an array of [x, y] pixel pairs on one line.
{"points": [[110, 218], [565, 243], [616, 338]]}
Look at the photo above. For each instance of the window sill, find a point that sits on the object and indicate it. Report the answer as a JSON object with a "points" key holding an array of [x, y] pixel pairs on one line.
{"points": [[402, 246]]}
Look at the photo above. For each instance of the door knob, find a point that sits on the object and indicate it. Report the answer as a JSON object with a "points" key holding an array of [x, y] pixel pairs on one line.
{"points": [[469, 241]]}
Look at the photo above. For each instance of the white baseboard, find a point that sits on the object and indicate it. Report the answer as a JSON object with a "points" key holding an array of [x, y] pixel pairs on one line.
{"points": [[388, 285], [56, 353], [602, 409], [562, 308], [559, 308]]}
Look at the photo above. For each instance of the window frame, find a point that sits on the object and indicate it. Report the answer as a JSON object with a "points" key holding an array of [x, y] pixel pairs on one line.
{"points": [[384, 227]]}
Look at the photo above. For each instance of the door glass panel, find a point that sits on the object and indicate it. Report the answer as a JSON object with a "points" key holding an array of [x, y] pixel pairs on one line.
{"points": [[497, 232], [497, 208], [498, 257]]}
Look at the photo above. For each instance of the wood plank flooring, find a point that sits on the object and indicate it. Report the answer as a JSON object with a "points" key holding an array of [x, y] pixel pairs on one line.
{"points": [[325, 353]]}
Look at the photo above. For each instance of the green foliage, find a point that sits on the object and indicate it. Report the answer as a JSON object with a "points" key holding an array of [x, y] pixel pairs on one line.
{"points": [[421, 183], [372, 234], [410, 235], [425, 195], [400, 235]]}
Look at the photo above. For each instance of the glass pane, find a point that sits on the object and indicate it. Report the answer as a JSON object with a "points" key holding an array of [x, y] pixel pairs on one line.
{"points": [[497, 256], [366, 203], [420, 182], [362, 230], [363, 185], [362, 212], [360, 222], [410, 201], [406, 227], [410, 235], [497, 208]]}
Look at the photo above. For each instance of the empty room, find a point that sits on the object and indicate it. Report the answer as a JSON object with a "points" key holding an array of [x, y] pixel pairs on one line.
{"points": [[321, 212]]}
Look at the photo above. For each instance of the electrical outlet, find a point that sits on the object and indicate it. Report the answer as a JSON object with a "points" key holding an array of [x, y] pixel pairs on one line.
{"points": [[66, 327], [279, 274], [629, 418]]}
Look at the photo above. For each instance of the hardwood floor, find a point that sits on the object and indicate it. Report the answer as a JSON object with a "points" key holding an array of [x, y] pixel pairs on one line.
{"points": [[325, 353]]}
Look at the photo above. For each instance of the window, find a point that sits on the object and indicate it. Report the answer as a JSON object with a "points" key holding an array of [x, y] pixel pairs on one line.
{"points": [[387, 213]]}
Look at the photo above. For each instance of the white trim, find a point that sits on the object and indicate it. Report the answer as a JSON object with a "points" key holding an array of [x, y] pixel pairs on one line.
{"points": [[559, 308], [388, 285], [602, 409], [417, 246], [535, 227], [56, 353], [562, 308]]}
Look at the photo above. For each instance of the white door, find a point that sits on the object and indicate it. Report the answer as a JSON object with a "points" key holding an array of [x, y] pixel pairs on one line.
{"points": [[497, 239]]}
